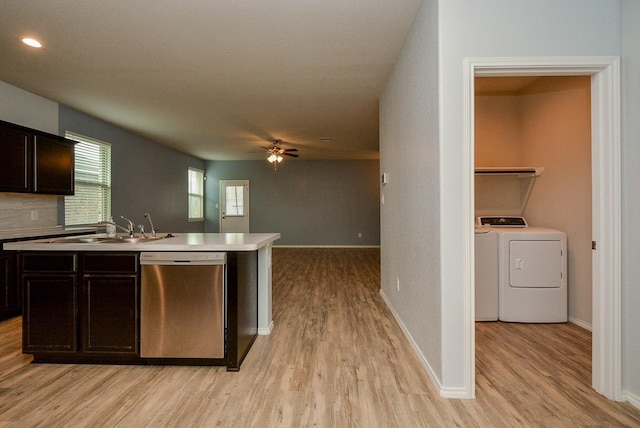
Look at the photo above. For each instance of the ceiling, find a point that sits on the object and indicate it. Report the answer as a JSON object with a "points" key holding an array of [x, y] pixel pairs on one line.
{"points": [[215, 78]]}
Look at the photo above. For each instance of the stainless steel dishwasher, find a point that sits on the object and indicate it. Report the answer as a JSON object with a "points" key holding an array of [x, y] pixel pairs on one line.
{"points": [[182, 307]]}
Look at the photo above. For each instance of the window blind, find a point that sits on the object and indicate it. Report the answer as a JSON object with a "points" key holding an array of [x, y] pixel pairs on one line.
{"points": [[91, 203]]}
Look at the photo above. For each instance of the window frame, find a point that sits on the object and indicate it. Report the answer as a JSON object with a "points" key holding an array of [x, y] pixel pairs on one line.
{"points": [[102, 181], [194, 194]]}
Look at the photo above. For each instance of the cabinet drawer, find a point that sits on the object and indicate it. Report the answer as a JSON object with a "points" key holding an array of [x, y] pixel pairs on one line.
{"points": [[102, 262], [49, 262]]}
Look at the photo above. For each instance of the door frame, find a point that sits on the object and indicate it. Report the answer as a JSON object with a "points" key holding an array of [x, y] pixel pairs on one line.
{"points": [[606, 203], [222, 197]]}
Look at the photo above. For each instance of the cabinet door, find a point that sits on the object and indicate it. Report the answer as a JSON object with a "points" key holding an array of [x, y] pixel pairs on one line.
{"points": [[15, 160], [49, 316], [110, 314], [54, 165], [9, 302]]}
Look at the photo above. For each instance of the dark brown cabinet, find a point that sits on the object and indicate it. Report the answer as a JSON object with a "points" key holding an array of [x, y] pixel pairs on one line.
{"points": [[35, 162], [83, 306], [110, 302], [15, 159], [50, 294], [54, 165], [9, 296]]}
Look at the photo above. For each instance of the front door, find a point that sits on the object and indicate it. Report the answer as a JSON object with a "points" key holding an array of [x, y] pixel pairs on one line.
{"points": [[234, 206]]}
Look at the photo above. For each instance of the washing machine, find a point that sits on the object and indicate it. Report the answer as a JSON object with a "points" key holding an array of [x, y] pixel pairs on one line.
{"points": [[532, 271], [486, 267]]}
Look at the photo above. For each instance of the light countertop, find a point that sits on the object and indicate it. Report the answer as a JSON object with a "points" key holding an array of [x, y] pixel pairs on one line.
{"points": [[179, 242], [46, 231]]}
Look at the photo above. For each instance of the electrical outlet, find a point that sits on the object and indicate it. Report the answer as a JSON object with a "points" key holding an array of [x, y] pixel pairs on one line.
{"points": [[398, 284], [34, 215], [359, 234]]}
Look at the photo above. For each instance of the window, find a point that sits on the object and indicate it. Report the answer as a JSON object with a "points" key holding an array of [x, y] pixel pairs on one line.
{"points": [[235, 201], [91, 203], [196, 194]]}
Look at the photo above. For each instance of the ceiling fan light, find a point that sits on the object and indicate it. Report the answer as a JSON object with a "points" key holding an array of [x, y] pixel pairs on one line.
{"points": [[272, 158], [279, 158]]}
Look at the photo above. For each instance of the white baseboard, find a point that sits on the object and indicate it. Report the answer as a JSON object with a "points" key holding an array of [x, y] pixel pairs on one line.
{"points": [[444, 392], [634, 400], [266, 331], [581, 323]]}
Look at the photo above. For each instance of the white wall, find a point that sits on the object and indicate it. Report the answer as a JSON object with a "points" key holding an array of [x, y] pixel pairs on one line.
{"points": [[498, 28], [631, 200], [26, 109], [410, 217]]}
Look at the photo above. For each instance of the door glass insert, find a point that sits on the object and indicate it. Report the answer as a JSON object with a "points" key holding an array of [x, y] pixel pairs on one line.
{"points": [[235, 205]]}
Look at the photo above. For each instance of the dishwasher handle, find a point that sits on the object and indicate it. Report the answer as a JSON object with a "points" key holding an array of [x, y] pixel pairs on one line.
{"points": [[183, 258]]}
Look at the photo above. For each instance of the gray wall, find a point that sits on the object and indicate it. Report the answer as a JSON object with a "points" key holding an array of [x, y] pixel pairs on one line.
{"points": [[409, 138], [146, 176], [310, 203]]}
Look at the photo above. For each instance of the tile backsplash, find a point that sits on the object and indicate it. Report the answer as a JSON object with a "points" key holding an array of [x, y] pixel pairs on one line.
{"points": [[25, 211]]}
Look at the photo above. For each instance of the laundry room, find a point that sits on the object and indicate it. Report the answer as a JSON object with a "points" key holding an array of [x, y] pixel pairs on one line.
{"points": [[542, 122]]}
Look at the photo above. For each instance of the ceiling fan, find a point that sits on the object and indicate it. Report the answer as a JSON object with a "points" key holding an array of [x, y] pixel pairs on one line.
{"points": [[275, 153]]}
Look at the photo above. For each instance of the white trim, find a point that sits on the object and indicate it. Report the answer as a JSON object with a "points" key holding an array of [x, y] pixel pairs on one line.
{"points": [[265, 331], [606, 172], [581, 323], [468, 203], [634, 400], [444, 392], [607, 270]]}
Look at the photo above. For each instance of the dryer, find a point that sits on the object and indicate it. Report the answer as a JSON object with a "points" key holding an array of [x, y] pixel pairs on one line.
{"points": [[532, 273]]}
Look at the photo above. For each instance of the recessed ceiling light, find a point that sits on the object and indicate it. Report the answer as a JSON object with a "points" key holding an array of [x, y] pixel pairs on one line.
{"points": [[31, 42], [325, 139]]}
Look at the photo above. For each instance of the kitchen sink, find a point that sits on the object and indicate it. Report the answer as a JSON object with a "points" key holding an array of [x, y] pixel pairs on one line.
{"points": [[82, 240], [106, 240], [127, 240]]}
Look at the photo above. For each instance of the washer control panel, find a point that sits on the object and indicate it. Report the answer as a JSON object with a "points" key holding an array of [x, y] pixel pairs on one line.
{"points": [[504, 221]]}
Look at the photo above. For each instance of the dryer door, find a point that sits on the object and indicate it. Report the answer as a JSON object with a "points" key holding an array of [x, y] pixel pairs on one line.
{"points": [[535, 264]]}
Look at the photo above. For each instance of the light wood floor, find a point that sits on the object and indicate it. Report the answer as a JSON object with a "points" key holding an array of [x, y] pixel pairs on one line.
{"points": [[336, 358]]}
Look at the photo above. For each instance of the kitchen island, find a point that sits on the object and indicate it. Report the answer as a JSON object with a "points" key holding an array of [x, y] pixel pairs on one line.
{"points": [[82, 295]]}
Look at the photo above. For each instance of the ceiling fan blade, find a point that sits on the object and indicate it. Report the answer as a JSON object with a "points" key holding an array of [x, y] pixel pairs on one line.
{"points": [[290, 150], [290, 154]]}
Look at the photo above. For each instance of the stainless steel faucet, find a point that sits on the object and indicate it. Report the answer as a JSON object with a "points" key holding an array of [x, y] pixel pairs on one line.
{"points": [[153, 229], [130, 228], [126, 229]]}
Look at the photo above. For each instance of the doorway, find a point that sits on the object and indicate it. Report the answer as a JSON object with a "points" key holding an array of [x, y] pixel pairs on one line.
{"points": [[605, 149], [234, 204]]}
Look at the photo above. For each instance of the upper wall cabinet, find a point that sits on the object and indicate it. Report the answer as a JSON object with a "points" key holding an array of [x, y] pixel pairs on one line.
{"points": [[35, 162]]}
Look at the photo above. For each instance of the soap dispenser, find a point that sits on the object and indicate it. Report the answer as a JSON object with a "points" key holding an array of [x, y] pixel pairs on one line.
{"points": [[111, 228]]}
